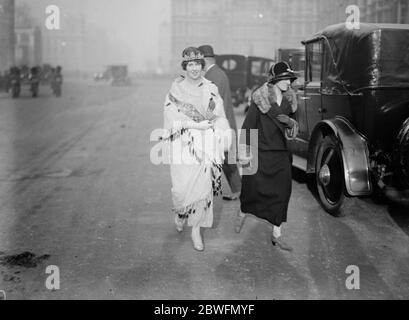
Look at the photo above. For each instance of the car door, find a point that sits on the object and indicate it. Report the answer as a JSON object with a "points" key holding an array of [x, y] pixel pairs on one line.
{"points": [[313, 98], [309, 111], [235, 68]]}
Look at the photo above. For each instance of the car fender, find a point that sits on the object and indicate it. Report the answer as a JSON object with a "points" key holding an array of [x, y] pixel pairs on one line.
{"points": [[355, 154]]}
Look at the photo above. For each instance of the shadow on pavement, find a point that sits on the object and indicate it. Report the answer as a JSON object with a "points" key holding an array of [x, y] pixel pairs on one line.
{"points": [[400, 215]]}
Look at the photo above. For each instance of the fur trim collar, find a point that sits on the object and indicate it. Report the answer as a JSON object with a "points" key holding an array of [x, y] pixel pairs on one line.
{"points": [[264, 97]]}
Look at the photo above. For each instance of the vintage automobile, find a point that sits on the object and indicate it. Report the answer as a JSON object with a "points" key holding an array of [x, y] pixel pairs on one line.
{"points": [[353, 112], [120, 75], [116, 74], [244, 73]]}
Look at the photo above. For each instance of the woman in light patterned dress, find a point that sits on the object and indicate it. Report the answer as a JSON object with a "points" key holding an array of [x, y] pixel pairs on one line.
{"points": [[197, 134]]}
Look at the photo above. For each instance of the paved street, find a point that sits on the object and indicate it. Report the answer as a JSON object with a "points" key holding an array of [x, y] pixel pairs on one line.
{"points": [[78, 191]]}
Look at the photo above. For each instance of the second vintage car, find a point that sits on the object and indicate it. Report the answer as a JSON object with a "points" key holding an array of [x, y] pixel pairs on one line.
{"points": [[244, 73]]}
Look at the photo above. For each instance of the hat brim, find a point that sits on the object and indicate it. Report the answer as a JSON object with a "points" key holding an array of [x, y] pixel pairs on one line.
{"points": [[284, 76]]}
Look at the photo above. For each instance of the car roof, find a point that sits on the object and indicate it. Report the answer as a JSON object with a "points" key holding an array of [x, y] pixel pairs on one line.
{"points": [[365, 29], [373, 56]]}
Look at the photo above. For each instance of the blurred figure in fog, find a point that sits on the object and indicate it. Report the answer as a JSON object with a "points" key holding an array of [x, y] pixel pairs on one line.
{"points": [[14, 82], [34, 80], [220, 79], [57, 81], [194, 121], [3, 81]]}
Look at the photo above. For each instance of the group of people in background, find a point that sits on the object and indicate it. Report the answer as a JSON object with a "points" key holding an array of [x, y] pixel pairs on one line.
{"points": [[16, 76], [197, 114]]}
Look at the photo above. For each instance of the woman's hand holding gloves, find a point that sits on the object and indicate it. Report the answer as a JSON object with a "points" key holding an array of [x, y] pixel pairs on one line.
{"points": [[283, 118], [244, 155]]}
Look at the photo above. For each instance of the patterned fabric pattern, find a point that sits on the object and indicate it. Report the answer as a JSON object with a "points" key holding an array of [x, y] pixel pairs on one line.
{"points": [[265, 97]]}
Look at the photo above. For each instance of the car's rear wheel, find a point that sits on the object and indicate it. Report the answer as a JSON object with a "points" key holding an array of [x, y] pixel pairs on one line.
{"points": [[329, 175]]}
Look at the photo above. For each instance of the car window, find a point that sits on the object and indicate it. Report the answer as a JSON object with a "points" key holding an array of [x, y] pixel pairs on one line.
{"points": [[314, 52], [229, 64], [266, 67], [331, 83], [256, 68]]}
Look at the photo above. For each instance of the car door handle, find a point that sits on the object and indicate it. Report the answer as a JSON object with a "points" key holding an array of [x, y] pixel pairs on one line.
{"points": [[305, 98]]}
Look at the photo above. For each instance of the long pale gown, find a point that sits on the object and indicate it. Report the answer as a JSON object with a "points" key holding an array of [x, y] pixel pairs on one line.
{"points": [[195, 156]]}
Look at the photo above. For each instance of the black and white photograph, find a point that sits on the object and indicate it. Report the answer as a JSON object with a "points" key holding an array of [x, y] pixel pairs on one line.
{"points": [[221, 152]]}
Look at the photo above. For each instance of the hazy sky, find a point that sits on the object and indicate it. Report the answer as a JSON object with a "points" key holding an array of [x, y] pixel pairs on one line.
{"points": [[134, 22]]}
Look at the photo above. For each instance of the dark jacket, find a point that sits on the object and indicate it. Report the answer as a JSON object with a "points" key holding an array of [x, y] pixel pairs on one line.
{"points": [[271, 134], [219, 78], [262, 115]]}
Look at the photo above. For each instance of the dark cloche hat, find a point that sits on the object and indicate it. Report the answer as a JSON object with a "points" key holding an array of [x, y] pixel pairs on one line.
{"points": [[281, 71], [207, 50]]}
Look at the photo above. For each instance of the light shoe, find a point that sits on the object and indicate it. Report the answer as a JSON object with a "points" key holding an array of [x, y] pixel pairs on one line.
{"points": [[197, 239], [238, 224], [179, 224]]}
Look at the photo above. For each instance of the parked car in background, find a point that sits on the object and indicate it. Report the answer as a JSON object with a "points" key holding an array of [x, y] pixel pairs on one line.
{"points": [[103, 76], [117, 74], [120, 75], [354, 113], [244, 73]]}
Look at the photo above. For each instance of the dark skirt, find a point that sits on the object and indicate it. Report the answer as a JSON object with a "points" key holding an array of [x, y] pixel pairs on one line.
{"points": [[266, 194]]}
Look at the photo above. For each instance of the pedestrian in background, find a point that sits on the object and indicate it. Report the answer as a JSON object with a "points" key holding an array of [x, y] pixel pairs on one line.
{"points": [[216, 75], [266, 194], [194, 121]]}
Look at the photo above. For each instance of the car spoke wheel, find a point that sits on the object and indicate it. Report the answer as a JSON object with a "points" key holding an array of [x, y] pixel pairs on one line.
{"points": [[329, 171]]}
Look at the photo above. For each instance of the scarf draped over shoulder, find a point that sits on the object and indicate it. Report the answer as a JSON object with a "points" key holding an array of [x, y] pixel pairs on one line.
{"points": [[194, 183]]}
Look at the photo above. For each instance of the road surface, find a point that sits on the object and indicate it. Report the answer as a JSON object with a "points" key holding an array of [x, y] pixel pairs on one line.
{"points": [[78, 191]]}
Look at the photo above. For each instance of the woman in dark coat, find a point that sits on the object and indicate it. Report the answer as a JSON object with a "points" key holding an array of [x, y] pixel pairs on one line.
{"points": [[266, 193]]}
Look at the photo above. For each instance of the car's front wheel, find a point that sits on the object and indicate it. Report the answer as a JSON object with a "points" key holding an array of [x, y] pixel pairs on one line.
{"points": [[329, 175]]}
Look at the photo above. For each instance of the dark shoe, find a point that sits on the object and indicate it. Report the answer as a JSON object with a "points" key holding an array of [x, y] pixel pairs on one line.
{"points": [[231, 197], [238, 224], [281, 244]]}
